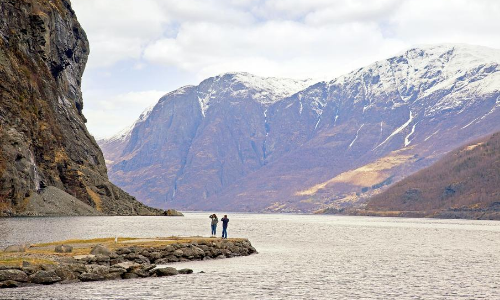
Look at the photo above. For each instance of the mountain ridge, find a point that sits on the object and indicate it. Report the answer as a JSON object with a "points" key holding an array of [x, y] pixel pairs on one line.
{"points": [[270, 153]]}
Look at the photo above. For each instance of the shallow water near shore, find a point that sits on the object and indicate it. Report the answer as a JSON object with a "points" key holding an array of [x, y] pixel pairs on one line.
{"points": [[300, 257]]}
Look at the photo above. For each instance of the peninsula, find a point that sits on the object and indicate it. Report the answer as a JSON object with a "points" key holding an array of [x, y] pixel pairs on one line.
{"points": [[110, 258]]}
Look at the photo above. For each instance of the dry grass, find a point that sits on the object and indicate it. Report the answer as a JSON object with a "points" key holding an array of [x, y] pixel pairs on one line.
{"points": [[60, 156], [77, 241], [366, 175], [471, 147], [95, 198], [18, 261], [44, 253]]}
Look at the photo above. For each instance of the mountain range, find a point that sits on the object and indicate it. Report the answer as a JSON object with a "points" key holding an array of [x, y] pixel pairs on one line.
{"points": [[240, 142]]}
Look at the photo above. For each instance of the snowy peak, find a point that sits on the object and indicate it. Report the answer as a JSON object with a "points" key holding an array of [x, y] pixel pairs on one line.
{"points": [[271, 89], [470, 54], [459, 71], [237, 137], [266, 90], [125, 133]]}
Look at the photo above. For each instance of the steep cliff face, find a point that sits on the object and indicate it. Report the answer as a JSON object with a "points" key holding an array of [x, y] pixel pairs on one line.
{"points": [[197, 139], [43, 138], [239, 142]]}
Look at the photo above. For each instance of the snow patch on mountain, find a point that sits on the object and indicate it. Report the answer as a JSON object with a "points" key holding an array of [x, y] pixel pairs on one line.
{"points": [[398, 130], [356, 137], [125, 133], [271, 89], [457, 72]]}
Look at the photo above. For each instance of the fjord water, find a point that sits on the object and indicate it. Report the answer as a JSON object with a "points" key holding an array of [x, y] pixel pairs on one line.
{"points": [[300, 257]]}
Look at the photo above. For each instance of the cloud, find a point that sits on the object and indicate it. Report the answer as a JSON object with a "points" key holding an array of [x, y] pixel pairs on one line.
{"points": [[108, 114], [276, 48], [119, 29], [202, 35], [432, 21], [291, 38]]}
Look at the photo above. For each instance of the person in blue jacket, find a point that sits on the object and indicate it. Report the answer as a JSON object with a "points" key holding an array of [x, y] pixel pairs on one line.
{"points": [[225, 221]]}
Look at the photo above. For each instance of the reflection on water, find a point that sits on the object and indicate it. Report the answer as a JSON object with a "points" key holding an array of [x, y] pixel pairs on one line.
{"points": [[300, 257]]}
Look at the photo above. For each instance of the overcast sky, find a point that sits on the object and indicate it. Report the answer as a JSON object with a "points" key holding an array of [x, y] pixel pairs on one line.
{"points": [[141, 49]]}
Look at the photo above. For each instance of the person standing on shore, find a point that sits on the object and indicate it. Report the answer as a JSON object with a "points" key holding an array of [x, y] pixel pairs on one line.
{"points": [[214, 222], [225, 221]]}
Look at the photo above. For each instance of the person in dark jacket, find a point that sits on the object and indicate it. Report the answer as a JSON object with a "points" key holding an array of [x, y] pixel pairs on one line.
{"points": [[213, 224], [225, 221]]}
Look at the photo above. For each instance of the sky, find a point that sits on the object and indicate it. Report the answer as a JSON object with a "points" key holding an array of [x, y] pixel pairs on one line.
{"points": [[142, 49]]}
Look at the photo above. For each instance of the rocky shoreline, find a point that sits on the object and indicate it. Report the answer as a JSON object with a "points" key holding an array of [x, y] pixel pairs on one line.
{"points": [[105, 259]]}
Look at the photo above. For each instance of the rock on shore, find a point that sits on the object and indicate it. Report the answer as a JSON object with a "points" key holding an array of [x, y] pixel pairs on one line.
{"points": [[123, 263]]}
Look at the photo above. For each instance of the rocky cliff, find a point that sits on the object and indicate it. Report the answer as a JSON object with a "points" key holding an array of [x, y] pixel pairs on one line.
{"points": [[43, 138], [241, 142]]}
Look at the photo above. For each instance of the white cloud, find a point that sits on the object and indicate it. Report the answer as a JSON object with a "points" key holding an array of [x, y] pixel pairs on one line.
{"points": [[292, 38], [354, 11], [119, 29], [109, 114], [462, 21], [320, 38]]}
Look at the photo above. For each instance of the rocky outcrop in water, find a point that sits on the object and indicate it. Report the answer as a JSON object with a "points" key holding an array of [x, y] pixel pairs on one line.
{"points": [[43, 138], [123, 263]]}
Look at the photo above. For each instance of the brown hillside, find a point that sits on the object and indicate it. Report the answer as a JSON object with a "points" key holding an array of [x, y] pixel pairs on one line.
{"points": [[465, 183]]}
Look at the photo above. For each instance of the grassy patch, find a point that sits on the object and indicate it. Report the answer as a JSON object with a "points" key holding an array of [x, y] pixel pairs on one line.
{"points": [[18, 261], [79, 241]]}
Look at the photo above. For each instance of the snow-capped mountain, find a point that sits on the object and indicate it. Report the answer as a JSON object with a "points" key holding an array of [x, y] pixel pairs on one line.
{"points": [[242, 142]]}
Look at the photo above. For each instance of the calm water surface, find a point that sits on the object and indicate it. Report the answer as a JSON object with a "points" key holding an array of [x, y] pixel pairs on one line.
{"points": [[300, 257]]}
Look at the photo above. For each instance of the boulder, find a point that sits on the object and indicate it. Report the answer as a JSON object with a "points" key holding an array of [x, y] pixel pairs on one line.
{"points": [[168, 249], [66, 274], [91, 277], [48, 267], [126, 265], [100, 250], [130, 276], [78, 268], [117, 270], [31, 270], [113, 276], [97, 269], [167, 271], [63, 249], [85, 258], [9, 284], [14, 275], [15, 248], [140, 259], [117, 260], [173, 213], [155, 255], [45, 277], [141, 271], [123, 251], [178, 252], [185, 271], [102, 259], [162, 261]]}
